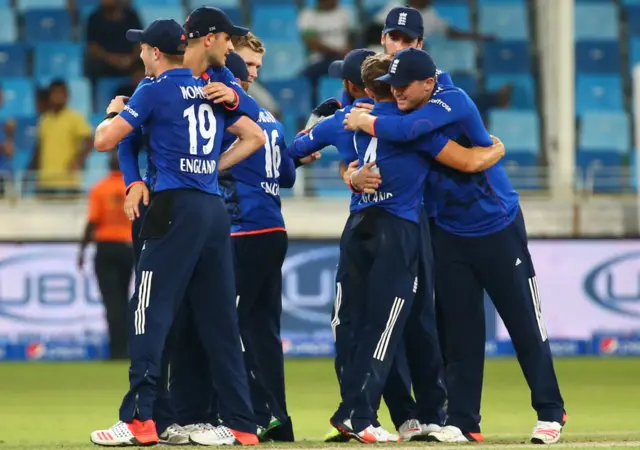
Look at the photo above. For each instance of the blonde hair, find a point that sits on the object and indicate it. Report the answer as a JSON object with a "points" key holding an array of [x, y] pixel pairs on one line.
{"points": [[250, 41], [373, 67]]}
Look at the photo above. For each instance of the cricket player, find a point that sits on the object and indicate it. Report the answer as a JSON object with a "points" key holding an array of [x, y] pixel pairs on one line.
{"points": [[251, 191], [381, 251], [187, 385], [186, 233], [480, 244]]}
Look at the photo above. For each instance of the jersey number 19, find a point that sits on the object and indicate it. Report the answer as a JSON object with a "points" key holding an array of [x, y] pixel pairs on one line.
{"points": [[205, 124]]}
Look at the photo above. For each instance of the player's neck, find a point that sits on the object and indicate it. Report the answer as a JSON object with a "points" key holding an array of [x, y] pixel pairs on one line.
{"points": [[198, 67], [384, 99]]}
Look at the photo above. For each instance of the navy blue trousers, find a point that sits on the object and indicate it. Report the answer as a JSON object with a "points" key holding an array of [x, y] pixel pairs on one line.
{"points": [[499, 263], [186, 234], [397, 391], [381, 253]]}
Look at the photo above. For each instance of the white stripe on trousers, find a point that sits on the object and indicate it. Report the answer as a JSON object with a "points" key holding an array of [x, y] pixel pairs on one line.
{"points": [[537, 307], [383, 343], [335, 321], [144, 293], [237, 303]]}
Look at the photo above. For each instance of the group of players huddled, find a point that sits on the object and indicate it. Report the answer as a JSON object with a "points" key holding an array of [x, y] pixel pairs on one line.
{"points": [[434, 222]]}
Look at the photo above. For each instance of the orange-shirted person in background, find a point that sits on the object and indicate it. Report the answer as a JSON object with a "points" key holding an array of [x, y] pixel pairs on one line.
{"points": [[110, 228]]}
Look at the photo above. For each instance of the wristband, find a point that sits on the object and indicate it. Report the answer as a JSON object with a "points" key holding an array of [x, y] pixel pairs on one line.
{"points": [[111, 115], [297, 163]]}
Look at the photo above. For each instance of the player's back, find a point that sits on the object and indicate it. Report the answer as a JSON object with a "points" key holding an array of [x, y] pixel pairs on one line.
{"points": [[185, 131], [403, 171], [251, 188], [470, 203]]}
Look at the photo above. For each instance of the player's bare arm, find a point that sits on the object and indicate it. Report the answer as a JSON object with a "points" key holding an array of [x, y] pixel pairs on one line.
{"points": [[250, 139], [471, 160], [360, 119], [114, 128]]}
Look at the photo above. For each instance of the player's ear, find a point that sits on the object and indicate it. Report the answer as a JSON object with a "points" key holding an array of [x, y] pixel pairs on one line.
{"points": [[369, 93], [382, 39], [420, 43]]}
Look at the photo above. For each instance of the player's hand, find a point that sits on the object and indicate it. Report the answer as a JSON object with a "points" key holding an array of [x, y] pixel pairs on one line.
{"points": [[117, 104], [220, 93], [367, 106], [137, 193], [311, 158], [351, 120], [498, 145], [366, 179], [352, 167]]}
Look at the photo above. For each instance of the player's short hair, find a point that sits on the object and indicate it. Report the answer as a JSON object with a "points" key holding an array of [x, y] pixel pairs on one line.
{"points": [[373, 67], [250, 41]]}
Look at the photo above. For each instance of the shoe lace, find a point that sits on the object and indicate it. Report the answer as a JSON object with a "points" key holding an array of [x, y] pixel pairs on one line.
{"points": [[121, 430]]}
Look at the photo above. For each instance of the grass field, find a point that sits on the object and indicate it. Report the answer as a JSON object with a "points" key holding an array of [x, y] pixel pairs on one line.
{"points": [[56, 405]]}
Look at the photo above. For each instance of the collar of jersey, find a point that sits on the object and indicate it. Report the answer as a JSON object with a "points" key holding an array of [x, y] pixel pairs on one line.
{"points": [[363, 100], [178, 72], [385, 106]]}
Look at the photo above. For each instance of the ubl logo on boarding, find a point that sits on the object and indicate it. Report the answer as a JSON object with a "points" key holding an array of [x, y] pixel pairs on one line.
{"points": [[45, 288], [614, 284]]}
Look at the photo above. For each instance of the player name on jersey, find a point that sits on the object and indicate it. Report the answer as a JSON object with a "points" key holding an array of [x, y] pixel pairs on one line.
{"points": [[376, 197], [191, 92], [266, 117], [199, 166]]}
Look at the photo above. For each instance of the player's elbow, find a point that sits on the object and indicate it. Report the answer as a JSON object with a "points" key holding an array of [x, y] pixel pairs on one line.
{"points": [[102, 143]]}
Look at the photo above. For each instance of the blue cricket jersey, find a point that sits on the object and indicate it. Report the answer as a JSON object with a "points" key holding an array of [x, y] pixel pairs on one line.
{"points": [[330, 131], [185, 131], [251, 188], [404, 168], [467, 204]]}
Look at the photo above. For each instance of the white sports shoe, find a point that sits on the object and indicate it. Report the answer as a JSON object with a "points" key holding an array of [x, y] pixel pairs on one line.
{"points": [[386, 436], [449, 433], [546, 432], [409, 429], [121, 435], [175, 435], [222, 435], [194, 427]]}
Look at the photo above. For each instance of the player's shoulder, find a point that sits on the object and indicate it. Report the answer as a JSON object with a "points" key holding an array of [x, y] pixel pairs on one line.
{"points": [[145, 81]]}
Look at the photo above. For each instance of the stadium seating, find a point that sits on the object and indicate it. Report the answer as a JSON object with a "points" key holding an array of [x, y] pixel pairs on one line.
{"points": [[634, 52], [96, 167], [224, 4], [505, 20], [46, 25], [26, 132], [13, 60], [523, 95], [22, 157], [276, 23], [324, 179], [330, 87], [598, 92], [105, 90], [596, 21], [602, 131], [518, 130], [523, 170], [597, 57], [633, 19], [292, 95], [282, 61], [80, 90], [457, 14], [25, 5], [59, 59], [19, 97], [150, 13], [8, 30], [141, 3], [506, 57], [601, 171], [466, 82], [454, 56]]}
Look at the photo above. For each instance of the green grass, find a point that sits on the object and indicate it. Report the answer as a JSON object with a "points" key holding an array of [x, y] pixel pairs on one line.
{"points": [[56, 405]]}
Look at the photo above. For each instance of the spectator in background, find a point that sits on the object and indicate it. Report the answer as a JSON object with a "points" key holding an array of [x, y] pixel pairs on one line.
{"points": [[327, 31], [64, 141], [137, 74], [109, 53], [433, 23], [7, 149], [110, 228], [252, 51]]}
